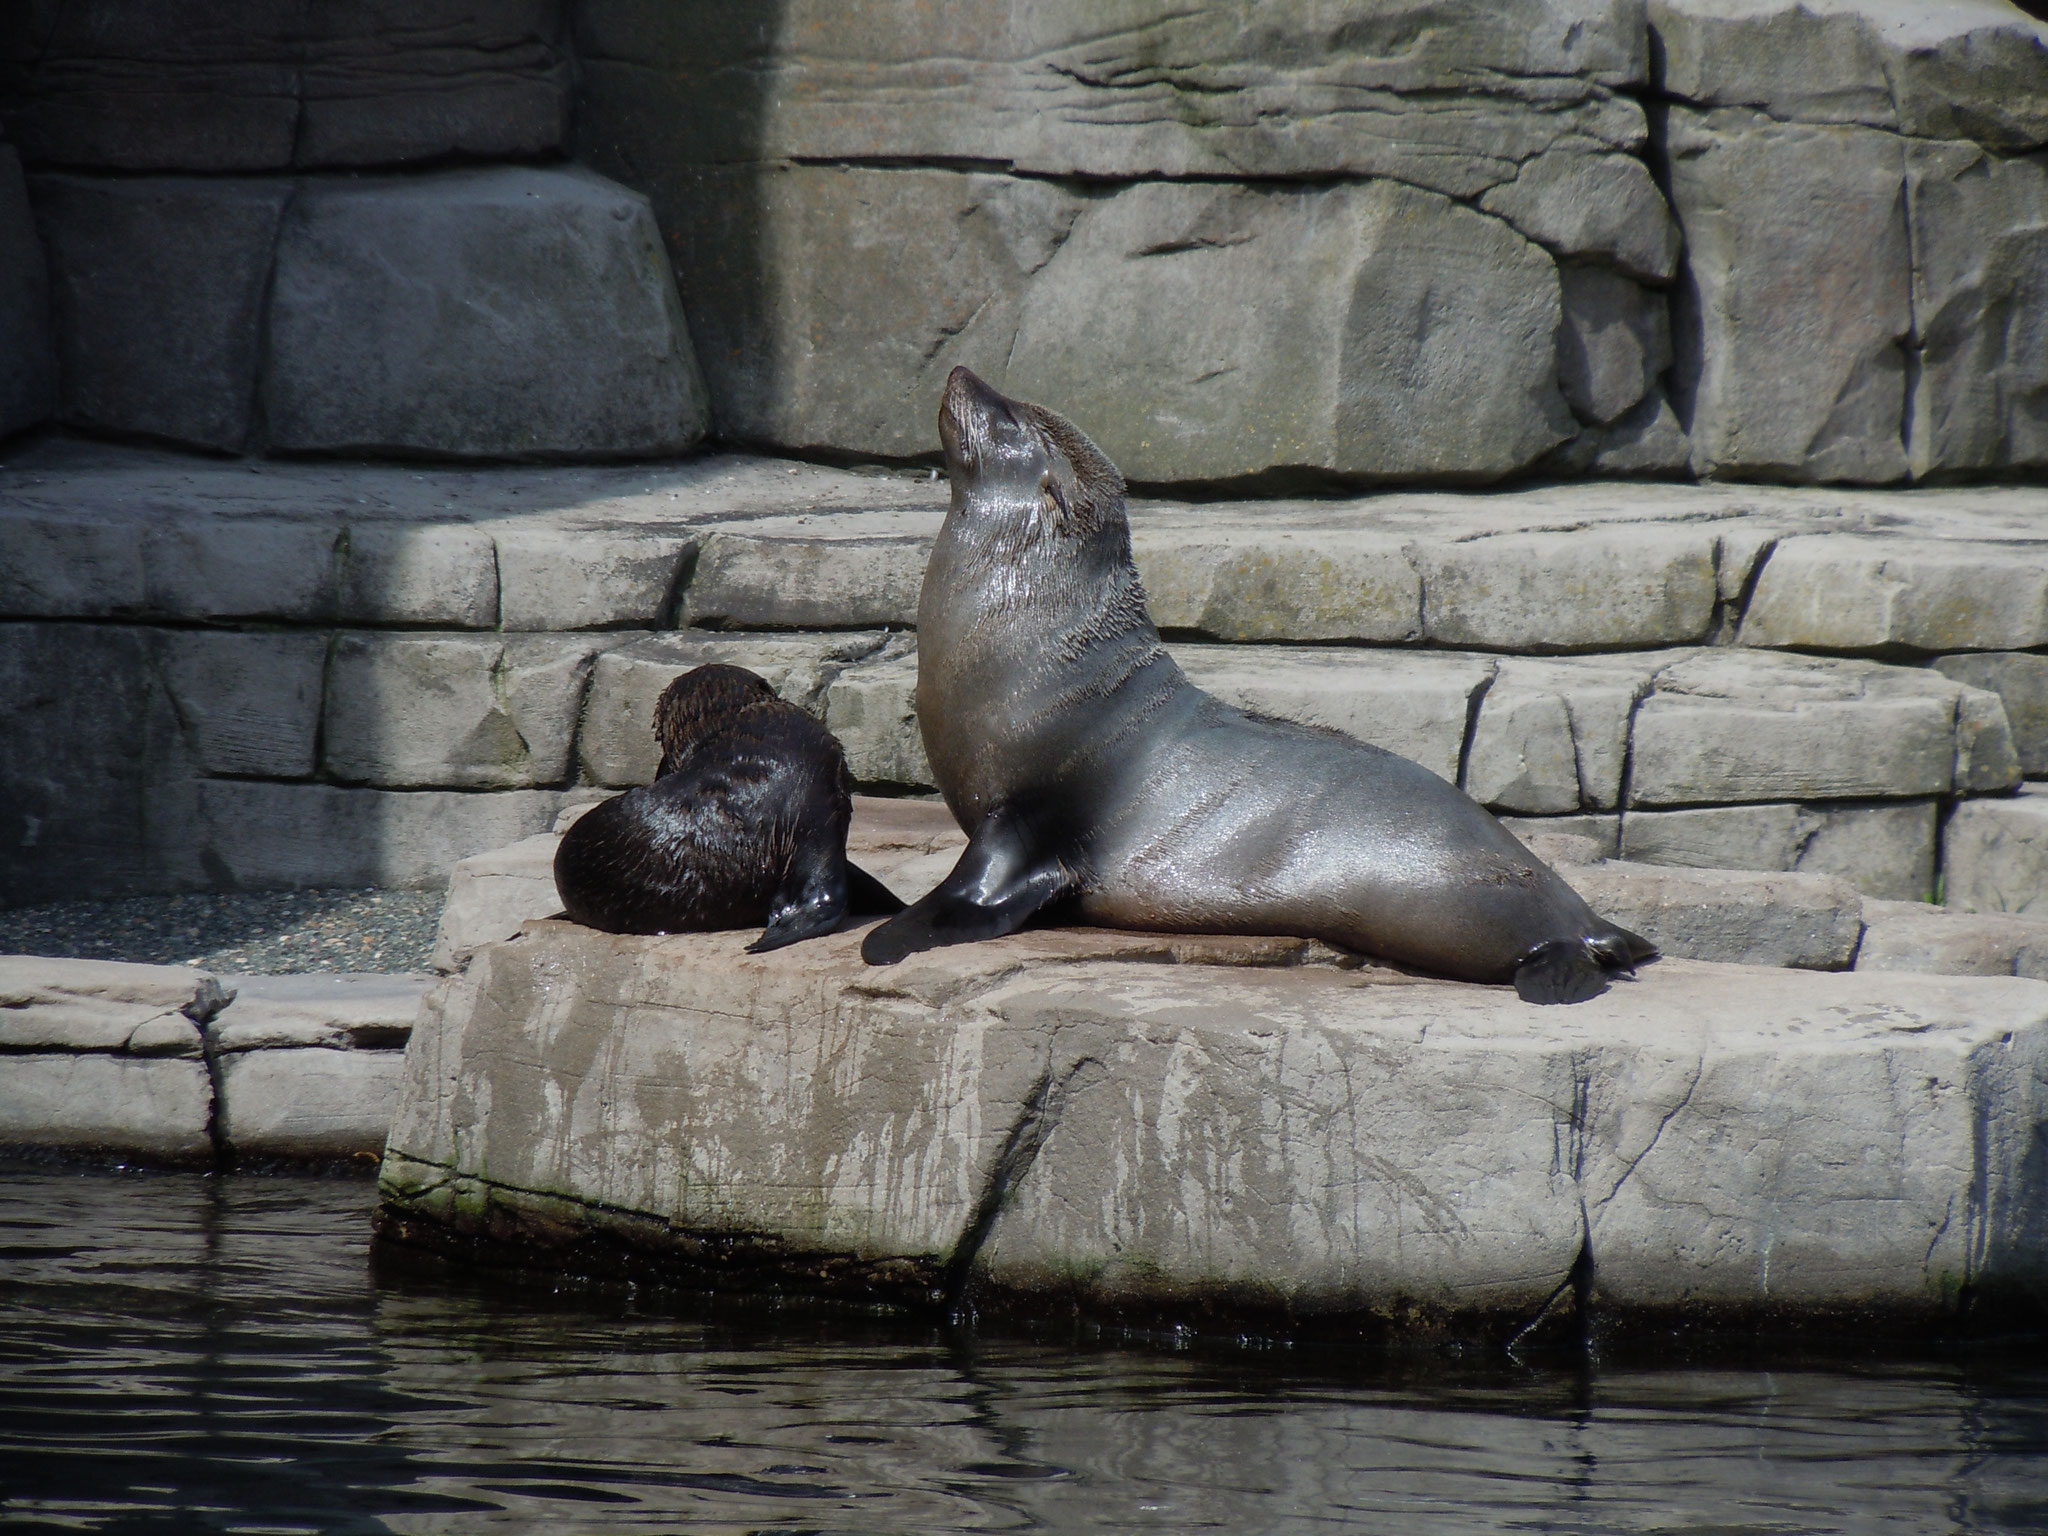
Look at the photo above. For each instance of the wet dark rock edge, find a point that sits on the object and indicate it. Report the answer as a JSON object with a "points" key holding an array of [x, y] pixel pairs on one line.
{"points": [[523, 1238]]}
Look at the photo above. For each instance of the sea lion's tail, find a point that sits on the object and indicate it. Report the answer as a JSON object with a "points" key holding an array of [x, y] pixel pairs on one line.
{"points": [[1573, 970]]}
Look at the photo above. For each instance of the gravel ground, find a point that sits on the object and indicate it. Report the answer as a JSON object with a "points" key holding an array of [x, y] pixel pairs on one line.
{"points": [[249, 931]]}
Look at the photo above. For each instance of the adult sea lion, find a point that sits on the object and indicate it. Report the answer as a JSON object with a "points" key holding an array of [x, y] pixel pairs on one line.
{"points": [[744, 823], [1087, 771]]}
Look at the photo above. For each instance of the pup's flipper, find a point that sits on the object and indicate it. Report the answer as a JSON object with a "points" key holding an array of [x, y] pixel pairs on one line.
{"points": [[1000, 881]]}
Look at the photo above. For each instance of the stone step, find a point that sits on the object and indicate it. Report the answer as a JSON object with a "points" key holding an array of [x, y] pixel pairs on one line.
{"points": [[1237, 1126], [171, 1062], [1748, 917]]}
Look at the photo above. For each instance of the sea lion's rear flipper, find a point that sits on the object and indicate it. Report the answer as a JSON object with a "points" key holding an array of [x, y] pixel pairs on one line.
{"points": [[1000, 881], [1561, 971], [868, 897], [1573, 970]]}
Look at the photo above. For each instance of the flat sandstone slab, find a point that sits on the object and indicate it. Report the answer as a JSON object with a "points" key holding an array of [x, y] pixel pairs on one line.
{"points": [[1136, 1121]]}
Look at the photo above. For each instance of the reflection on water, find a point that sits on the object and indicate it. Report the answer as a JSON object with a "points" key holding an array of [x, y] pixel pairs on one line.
{"points": [[183, 1352]]}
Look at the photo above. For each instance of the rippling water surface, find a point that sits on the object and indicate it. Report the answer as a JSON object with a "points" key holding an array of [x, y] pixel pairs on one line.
{"points": [[195, 1353]]}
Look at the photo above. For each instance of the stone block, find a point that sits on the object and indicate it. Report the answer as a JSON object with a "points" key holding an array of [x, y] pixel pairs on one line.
{"points": [[1226, 579], [49, 1004], [1959, 71], [1599, 588], [80, 766], [307, 1103], [96, 1102], [61, 566], [1414, 704], [909, 844], [1778, 375], [492, 895], [1734, 725], [425, 574], [1552, 733], [2021, 683], [454, 711], [1569, 836], [1986, 758], [1744, 917], [133, 86], [666, 1091], [28, 365], [871, 706], [1864, 592], [1522, 755], [504, 313], [249, 702], [1371, 330], [1994, 854], [806, 573], [1613, 342], [331, 1010], [157, 292], [1884, 851], [616, 743], [261, 836], [242, 567], [1980, 304], [1912, 936], [553, 578]]}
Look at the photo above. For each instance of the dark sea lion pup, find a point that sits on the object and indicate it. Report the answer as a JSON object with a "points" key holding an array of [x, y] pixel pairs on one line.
{"points": [[1087, 771], [745, 823]]}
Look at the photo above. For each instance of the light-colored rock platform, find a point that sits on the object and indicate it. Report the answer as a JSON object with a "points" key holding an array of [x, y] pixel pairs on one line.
{"points": [[1242, 1125], [171, 1062]]}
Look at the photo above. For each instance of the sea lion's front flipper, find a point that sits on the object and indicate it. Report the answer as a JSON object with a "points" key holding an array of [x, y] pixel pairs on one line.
{"points": [[1000, 881], [802, 911]]}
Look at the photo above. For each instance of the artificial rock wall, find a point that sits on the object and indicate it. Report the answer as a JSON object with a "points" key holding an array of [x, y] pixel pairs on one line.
{"points": [[1435, 240], [325, 228], [1441, 240]]}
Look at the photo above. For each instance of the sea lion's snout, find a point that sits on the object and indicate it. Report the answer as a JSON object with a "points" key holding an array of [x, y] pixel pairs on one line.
{"points": [[976, 422]]}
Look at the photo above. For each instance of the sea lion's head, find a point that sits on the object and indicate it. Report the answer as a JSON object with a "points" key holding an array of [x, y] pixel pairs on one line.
{"points": [[702, 699], [1021, 467]]}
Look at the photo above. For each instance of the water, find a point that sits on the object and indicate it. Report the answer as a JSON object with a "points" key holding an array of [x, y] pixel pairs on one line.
{"points": [[194, 1353]]}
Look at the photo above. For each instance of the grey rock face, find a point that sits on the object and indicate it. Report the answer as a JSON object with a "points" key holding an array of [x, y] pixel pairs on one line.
{"points": [[1614, 340], [498, 313], [1912, 936], [1795, 308], [1968, 69], [28, 365], [255, 85], [1372, 330], [1980, 304], [157, 294], [1444, 94]]}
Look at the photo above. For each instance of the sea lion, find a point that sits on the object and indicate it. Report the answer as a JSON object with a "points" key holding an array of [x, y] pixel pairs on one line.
{"points": [[1089, 773], [744, 823]]}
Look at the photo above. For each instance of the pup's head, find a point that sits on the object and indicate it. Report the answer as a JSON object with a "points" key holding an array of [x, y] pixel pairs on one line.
{"points": [[701, 700], [1022, 466]]}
